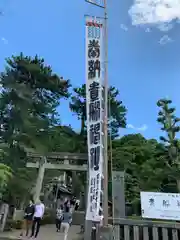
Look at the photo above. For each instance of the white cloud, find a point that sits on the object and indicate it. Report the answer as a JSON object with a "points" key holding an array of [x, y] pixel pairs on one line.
{"points": [[165, 27], [155, 12], [165, 39], [147, 30], [4, 40], [142, 128], [130, 126], [123, 27]]}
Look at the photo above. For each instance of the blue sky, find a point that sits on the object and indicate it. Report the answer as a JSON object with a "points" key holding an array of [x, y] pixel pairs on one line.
{"points": [[144, 59]]}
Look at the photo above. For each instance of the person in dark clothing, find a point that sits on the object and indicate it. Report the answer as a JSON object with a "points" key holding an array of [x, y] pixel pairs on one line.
{"points": [[59, 216], [28, 218], [66, 222], [66, 203], [73, 201], [36, 227]]}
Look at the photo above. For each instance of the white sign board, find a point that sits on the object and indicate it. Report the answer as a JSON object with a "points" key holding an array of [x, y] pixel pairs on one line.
{"points": [[94, 106], [160, 205]]}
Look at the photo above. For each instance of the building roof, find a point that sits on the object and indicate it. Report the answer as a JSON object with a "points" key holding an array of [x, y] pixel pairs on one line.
{"points": [[65, 190]]}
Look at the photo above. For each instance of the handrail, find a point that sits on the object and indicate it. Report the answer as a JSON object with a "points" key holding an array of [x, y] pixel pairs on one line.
{"points": [[146, 223]]}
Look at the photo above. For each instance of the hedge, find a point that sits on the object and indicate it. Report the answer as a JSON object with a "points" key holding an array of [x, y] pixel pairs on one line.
{"points": [[12, 224]]}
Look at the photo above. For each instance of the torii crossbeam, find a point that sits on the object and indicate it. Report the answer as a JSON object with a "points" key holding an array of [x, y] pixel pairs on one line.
{"points": [[56, 160]]}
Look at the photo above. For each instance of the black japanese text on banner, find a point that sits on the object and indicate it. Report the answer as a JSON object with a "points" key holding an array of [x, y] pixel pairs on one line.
{"points": [[94, 99]]}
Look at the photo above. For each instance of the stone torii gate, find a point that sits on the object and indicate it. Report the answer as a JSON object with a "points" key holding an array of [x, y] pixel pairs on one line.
{"points": [[63, 161]]}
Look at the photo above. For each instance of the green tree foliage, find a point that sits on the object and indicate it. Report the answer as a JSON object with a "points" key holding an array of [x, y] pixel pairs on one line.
{"points": [[65, 139], [5, 176], [170, 125], [117, 113], [30, 95], [139, 158], [78, 105], [21, 185], [169, 121], [29, 99]]}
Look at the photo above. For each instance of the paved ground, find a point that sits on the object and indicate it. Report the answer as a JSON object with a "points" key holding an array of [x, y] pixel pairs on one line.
{"points": [[47, 232]]}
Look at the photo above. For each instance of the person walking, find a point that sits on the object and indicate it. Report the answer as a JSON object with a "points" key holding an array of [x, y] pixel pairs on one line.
{"points": [[66, 203], [66, 222], [77, 203], [59, 215], [38, 215], [73, 201], [28, 218]]}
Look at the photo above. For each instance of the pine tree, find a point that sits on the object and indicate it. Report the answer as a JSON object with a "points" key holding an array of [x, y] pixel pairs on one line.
{"points": [[30, 95], [170, 125]]}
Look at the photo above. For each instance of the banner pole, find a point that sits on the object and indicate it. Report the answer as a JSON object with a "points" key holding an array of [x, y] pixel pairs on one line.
{"points": [[105, 170]]}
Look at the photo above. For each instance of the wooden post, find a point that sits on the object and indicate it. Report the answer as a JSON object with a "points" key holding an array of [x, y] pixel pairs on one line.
{"points": [[105, 170], [73, 181], [88, 223]]}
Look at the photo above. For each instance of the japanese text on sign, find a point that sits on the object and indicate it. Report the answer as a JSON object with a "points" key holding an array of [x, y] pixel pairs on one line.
{"points": [[94, 115], [159, 205]]}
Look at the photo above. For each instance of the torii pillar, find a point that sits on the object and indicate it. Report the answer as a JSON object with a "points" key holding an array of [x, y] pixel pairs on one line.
{"points": [[39, 181]]}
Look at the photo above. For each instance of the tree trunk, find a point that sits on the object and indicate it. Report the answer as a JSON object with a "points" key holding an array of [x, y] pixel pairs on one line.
{"points": [[178, 185], [82, 125], [46, 195], [74, 182], [22, 204]]}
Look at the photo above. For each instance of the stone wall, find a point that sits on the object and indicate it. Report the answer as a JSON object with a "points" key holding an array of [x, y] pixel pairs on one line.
{"points": [[18, 215]]}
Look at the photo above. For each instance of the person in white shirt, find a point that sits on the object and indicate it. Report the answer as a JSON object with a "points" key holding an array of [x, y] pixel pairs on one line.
{"points": [[77, 203], [38, 215]]}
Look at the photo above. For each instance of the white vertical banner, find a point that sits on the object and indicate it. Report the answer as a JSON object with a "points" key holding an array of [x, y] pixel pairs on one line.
{"points": [[94, 106]]}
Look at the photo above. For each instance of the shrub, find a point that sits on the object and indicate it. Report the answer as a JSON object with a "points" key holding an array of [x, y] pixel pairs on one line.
{"points": [[47, 219], [13, 224], [8, 225], [17, 224], [79, 237]]}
